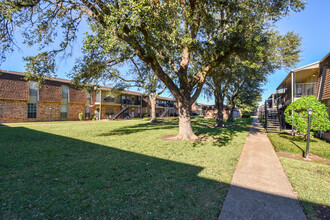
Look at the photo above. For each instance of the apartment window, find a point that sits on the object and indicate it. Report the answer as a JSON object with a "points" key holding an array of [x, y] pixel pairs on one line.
{"points": [[65, 102], [98, 96], [33, 100], [32, 110], [109, 98], [89, 98]]}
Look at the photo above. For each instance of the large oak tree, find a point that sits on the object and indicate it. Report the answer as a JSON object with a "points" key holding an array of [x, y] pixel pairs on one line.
{"points": [[187, 38]]}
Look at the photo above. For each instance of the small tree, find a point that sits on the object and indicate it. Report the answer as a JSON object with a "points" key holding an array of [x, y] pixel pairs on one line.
{"points": [[81, 116], [297, 116]]}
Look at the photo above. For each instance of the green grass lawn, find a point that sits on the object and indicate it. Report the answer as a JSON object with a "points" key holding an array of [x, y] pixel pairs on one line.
{"points": [[116, 169], [311, 182], [296, 145], [309, 179]]}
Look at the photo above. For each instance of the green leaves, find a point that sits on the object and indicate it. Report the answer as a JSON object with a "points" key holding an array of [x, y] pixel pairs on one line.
{"points": [[297, 116]]}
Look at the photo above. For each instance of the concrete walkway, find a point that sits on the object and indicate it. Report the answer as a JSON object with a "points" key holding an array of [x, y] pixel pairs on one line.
{"points": [[260, 189]]}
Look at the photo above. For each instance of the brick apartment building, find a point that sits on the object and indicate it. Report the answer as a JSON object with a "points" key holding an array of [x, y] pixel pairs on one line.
{"points": [[23, 101]]}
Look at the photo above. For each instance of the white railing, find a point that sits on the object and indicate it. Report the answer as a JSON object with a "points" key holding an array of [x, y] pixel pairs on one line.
{"points": [[305, 89]]}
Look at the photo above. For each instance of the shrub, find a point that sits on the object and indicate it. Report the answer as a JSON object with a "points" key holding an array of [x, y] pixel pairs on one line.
{"points": [[146, 115], [297, 116], [246, 114], [81, 116]]}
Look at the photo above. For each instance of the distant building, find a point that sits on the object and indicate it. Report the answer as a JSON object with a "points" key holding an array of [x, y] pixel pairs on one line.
{"points": [[212, 112], [22, 101]]}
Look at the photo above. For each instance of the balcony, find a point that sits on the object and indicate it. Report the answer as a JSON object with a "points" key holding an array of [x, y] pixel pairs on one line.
{"points": [[111, 100], [301, 89], [165, 105], [131, 102], [305, 89]]}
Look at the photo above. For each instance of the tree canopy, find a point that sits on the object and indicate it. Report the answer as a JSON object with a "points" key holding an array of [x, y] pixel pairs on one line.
{"points": [[185, 38]]}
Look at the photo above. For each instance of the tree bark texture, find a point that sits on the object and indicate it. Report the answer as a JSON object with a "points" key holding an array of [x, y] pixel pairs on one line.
{"points": [[231, 115], [152, 99], [219, 96], [219, 107], [185, 129]]}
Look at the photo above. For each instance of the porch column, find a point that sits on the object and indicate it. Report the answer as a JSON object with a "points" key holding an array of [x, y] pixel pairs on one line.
{"points": [[293, 85], [293, 90]]}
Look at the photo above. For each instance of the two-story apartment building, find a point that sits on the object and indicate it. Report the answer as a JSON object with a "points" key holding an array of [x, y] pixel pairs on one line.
{"points": [[298, 83], [57, 99], [310, 80], [164, 106], [26, 101]]}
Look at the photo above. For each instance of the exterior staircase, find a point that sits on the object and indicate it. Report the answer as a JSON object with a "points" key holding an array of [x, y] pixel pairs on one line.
{"points": [[165, 112], [120, 113], [272, 122]]}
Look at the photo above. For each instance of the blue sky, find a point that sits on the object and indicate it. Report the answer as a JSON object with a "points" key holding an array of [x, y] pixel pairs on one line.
{"points": [[312, 25]]}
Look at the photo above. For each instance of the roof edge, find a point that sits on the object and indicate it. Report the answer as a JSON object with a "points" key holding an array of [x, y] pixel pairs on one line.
{"points": [[325, 57]]}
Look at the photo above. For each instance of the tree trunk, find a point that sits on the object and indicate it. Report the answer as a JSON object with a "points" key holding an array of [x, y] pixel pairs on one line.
{"points": [[219, 107], [185, 129], [231, 115], [152, 99]]}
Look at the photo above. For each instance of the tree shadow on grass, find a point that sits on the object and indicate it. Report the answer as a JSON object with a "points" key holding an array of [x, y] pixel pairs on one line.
{"points": [[223, 135], [141, 127], [201, 127], [292, 139], [51, 176]]}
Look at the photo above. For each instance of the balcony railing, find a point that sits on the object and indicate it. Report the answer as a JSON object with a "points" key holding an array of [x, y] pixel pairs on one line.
{"points": [[165, 105], [305, 89], [130, 102], [301, 89]]}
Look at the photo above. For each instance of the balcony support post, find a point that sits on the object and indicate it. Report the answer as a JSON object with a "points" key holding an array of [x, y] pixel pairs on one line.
{"points": [[293, 85]]}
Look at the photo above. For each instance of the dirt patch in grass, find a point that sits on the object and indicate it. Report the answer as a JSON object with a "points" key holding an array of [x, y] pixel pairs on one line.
{"points": [[173, 137], [311, 157]]}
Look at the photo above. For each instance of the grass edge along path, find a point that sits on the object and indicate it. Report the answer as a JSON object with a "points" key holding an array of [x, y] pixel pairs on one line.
{"points": [[118, 170], [309, 179]]}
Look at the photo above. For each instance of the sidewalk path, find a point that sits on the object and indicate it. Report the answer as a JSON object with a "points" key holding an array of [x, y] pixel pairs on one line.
{"points": [[260, 189]]}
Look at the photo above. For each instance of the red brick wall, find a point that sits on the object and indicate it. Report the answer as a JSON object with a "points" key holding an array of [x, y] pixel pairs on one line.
{"points": [[13, 111], [77, 96], [51, 91], [212, 112], [43, 111], [13, 87], [16, 111], [74, 110], [326, 89]]}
